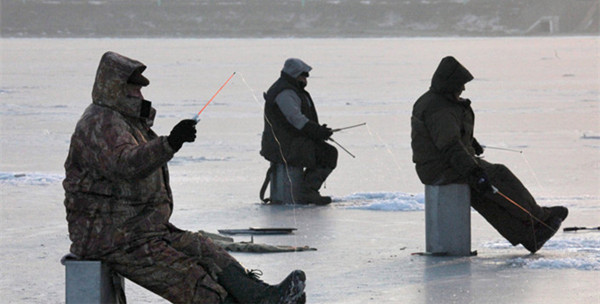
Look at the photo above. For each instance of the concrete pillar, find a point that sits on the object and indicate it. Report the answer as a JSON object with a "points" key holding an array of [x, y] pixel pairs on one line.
{"points": [[448, 219], [285, 184], [90, 282]]}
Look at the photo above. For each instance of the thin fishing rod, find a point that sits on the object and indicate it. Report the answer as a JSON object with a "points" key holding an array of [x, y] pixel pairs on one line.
{"points": [[342, 147], [503, 149], [349, 127], [197, 116], [496, 191], [581, 228]]}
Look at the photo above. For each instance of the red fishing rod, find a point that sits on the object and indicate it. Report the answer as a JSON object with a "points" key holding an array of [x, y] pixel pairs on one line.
{"points": [[197, 116]]}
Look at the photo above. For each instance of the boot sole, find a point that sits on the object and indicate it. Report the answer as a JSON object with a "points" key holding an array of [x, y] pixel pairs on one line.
{"points": [[295, 289]]}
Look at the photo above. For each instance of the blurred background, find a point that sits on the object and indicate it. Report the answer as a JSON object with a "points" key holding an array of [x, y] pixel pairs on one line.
{"points": [[297, 18]]}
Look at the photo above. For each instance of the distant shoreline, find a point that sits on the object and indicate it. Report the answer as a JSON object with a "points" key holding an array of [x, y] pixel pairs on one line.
{"points": [[297, 19], [432, 37]]}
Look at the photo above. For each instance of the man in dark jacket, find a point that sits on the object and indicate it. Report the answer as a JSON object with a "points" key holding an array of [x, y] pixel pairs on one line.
{"points": [[445, 152], [292, 134], [119, 202]]}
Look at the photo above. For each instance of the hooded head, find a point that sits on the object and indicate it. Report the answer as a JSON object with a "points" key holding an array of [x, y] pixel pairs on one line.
{"points": [[450, 76], [295, 67], [115, 73]]}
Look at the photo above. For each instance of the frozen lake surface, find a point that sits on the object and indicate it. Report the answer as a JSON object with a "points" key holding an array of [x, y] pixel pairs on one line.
{"points": [[537, 95]]}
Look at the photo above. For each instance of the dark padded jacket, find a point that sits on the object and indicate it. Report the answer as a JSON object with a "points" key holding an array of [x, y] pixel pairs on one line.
{"points": [[442, 128], [290, 140]]}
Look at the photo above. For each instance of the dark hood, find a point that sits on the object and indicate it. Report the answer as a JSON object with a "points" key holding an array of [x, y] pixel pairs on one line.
{"points": [[450, 76], [110, 85], [294, 67]]}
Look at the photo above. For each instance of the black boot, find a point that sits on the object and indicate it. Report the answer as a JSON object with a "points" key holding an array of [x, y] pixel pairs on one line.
{"points": [[543, 233], [247, 288], [559, 211], [311, 196], [309, 191]]}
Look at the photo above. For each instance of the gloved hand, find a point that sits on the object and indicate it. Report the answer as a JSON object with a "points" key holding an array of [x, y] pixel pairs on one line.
{"points": [[325, 131], [479, 181], [184, 131], [478, 148], [316, 132]]}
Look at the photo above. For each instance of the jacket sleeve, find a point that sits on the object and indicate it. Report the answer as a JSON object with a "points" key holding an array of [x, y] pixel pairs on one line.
{"points": [[289, 103], [444, 128], [115, 152]]}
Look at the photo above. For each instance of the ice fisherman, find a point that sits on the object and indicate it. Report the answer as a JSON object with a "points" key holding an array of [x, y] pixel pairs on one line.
{"points": [[118, 201], [445, 152], [292, 133]]}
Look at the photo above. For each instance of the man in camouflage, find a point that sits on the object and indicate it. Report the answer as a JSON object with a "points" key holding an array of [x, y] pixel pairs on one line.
{"points": [[118, 201]]}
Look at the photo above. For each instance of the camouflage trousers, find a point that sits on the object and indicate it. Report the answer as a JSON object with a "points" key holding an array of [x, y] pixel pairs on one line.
{"points": [[509, 220], [181, 267]]}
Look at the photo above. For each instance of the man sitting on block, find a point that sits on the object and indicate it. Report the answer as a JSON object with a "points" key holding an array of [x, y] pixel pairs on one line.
{"points": [[292, 134], [445, 152], [119, 202]]}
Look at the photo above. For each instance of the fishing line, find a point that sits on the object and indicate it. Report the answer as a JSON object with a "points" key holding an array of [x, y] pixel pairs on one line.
{"points": [[386, 147], [532, 217], [524, 159], [282, 156], [274, 136], [533, 172]]}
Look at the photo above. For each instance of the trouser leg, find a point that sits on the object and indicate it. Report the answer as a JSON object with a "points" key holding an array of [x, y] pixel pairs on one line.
{"points": [[210, 255], [170, 273], [314, 178], [511, 228], [326, 157], [507, 183], [512, 222]]}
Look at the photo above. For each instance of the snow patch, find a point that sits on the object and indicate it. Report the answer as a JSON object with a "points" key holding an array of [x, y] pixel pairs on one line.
{"points": [[581, 253], [383, 201], [184, 160], [37, 179]]}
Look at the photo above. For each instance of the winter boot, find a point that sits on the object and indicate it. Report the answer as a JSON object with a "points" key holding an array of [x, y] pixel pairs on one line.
{"points": [[559, 211], [311, 196], [246, 287], [313, 179], [543, 233]]}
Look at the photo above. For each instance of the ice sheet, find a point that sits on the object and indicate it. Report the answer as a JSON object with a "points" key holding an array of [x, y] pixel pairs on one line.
{"points": [[536, 94]]}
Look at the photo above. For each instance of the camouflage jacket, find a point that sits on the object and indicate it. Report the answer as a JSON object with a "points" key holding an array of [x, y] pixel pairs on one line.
{"points": [[117, 182]]}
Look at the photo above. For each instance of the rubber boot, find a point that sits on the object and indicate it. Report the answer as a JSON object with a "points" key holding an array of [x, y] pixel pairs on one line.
{"points": [[247, 288], [313, 179]]}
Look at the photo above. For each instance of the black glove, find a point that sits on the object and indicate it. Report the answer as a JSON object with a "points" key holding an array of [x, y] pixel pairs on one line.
{"points": [[184, 131], [480, 182], [316, 132], [478, 148]]}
